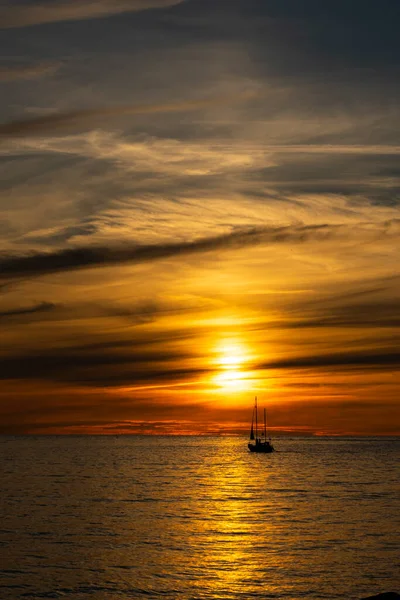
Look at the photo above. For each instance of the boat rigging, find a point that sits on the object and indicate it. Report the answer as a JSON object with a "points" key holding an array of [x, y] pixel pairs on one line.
{"points": [[261, 444]]}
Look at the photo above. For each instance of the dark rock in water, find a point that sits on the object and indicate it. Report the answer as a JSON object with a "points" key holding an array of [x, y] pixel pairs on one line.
{"points": [[385, 596]]}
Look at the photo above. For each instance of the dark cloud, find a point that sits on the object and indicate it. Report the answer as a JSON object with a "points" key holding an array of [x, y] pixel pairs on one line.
{"points": [[18, 312], [96, 256], [374, 310], [358, 360], [132, 366], [378, 313], [132, 314], [89, 257], [137, 342]]}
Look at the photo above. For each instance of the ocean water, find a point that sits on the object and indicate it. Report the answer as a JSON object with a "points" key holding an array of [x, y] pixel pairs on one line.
{"points": [[198, 518]]}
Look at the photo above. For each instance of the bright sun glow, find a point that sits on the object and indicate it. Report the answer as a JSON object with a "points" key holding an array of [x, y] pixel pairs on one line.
{"points": [[231, 380], [230, 359], [231, 355]]}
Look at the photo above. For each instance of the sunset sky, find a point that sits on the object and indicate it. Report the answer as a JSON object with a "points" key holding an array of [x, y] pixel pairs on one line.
{"points": [[200, 203]]}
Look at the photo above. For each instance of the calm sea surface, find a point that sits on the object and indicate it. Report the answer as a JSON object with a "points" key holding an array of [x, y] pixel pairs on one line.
{"points": [[192, 517]]}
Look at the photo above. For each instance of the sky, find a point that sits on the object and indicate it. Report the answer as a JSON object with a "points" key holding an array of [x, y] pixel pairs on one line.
{"points": [[200, 204]]}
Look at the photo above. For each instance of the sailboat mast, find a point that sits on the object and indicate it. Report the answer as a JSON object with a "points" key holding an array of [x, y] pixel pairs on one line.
{"points": [[265, 425], [252, 426], [256, 419]]}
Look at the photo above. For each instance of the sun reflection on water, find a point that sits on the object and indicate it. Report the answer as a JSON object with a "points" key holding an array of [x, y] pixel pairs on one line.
{"points": [[235, 529]]}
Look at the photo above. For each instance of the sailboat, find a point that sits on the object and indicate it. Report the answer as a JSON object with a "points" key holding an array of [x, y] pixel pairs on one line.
{"points": [[260, 444]]}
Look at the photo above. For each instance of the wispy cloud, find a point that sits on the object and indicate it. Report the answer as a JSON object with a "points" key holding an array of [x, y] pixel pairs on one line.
{"points": [[25, 15], [82, 119], [161, 156], [33, 71], [358, 307], [369, 149], [89, 257], [18, 312]]}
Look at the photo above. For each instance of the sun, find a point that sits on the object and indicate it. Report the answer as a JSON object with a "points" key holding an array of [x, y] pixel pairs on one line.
{"points": [[231, 380], [230, 359], [231, 354]]}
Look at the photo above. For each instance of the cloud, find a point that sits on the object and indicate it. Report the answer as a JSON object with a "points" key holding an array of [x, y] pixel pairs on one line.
{"points": [[71, 259], [371, 149], [137, 365], [99, 187], [130, 366], [35, 71], [389, 358], [17, 312], [26, 15], [79, 118], [147, 154], [376, 307], [89, 257]]}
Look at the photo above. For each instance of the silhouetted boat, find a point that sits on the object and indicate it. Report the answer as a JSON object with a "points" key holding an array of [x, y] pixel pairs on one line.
{"points": [[261, 445]]}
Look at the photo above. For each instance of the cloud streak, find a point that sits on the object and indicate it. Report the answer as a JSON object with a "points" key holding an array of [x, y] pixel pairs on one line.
{"points": [[35, 71], [26, 15], [90, 257], [114, 368], [79, 118], [373, 314], [132, 366], [72, 259], [389, 358], [18, 312]]}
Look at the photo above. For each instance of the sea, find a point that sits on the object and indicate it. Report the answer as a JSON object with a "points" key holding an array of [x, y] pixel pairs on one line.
{"points": [[188, 518]]}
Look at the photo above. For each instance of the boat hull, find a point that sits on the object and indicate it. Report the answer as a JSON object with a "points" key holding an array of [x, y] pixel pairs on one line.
{"points": [[262, 448]]}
